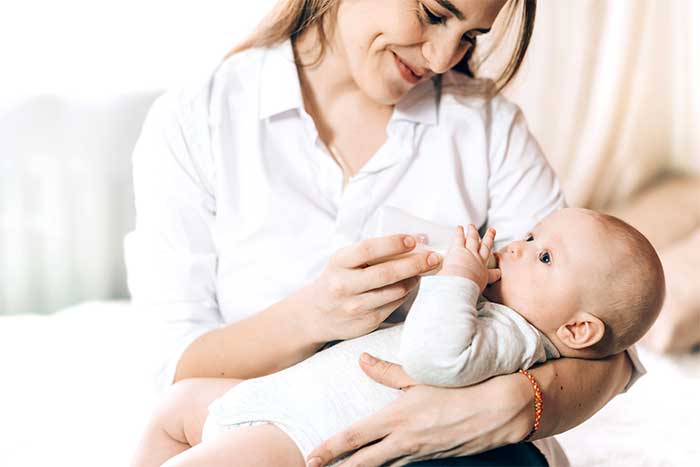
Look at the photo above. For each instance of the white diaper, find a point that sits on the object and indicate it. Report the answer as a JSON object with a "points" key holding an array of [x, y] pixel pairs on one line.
{"points": [[302, 401], [210, 427]]}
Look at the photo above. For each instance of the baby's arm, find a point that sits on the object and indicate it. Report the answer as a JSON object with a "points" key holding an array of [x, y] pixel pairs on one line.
{"points": [[444, 342]]}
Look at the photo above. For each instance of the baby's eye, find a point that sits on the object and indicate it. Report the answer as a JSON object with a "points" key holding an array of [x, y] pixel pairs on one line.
{"points": [[529, 238], [545, 257]]}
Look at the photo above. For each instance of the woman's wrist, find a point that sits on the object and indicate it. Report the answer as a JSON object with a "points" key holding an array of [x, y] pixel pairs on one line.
{"points": [[537, 406], [509, 398], [522, 398], [299, 307]]}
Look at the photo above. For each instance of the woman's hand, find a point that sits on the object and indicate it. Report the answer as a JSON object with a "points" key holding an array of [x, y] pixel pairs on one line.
{"points": [[352, 298], [428, 422]]}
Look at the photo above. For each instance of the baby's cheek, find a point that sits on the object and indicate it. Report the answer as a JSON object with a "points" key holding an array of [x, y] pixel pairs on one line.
{"points": [[518, 292]]}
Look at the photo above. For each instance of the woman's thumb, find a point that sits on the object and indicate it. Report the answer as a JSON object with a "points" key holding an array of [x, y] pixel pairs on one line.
{"points": [[386, 373]]}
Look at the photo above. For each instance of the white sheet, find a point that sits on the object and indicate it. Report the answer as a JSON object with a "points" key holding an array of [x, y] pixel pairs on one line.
{"points": [[76, 391]]}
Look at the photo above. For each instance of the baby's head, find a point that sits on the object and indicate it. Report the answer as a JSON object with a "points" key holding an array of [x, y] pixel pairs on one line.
{"points": [[592, 283]]}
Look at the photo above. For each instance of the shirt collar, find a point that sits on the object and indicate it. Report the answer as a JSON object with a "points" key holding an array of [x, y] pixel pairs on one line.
{"points": [[280, 90], [420, 104], [550, 350]]}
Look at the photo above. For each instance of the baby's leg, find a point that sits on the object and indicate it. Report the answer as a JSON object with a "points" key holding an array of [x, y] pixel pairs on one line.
{"points": [[260, 445], [178, 419]]}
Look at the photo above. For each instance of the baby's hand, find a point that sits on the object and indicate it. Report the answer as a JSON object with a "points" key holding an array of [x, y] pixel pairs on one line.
{"points": [[467, 257]]}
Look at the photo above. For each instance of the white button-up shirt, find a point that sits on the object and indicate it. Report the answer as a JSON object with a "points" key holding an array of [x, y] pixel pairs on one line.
{"points": [[239, 204]]}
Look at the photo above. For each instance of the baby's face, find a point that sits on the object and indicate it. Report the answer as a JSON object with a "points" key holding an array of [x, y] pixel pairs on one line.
{"points": [[545, 276]]}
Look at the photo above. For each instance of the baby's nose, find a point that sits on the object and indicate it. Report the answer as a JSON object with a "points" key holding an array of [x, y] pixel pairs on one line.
{"points": [[515, 250]]}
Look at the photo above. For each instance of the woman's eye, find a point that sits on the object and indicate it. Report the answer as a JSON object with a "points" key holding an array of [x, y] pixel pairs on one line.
{"points": [[430, 16], [468, 39], [529, 238], [545, 257]]}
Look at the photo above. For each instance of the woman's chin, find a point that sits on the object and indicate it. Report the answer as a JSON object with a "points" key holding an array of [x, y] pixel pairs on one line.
{"points": [[386, 93]]}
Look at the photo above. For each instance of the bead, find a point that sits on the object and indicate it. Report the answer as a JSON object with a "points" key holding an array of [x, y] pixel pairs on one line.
{"points": [[537, 402]]}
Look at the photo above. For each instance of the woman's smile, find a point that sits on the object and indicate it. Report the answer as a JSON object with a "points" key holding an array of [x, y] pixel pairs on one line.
{"points": [[407, 72]]}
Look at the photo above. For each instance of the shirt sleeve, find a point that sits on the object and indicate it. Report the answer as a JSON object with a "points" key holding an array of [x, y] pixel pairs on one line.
{"points": [[170, 256], [523, 187], [444, 341]]}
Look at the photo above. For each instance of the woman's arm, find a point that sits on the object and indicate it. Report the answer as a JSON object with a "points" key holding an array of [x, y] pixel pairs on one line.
{"points": [[429, 422], [574, 389], [346, 301], [269, 341]]}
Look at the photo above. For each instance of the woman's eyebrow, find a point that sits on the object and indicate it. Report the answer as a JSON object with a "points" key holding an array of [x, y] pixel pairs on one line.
{"points": [[449, 6], [446, 4]]}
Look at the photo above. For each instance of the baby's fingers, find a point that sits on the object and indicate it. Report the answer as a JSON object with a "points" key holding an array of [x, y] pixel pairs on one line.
{"points": [[473, 240], [487, 243], [494, 275], [458, 238]]}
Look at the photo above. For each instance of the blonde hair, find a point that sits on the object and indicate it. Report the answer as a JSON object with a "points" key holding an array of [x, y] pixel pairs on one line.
{"points": [[290, 18], [631, 296]]}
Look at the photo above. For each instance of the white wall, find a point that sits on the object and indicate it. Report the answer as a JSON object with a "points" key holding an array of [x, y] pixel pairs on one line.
{"points": [[100, 46]]}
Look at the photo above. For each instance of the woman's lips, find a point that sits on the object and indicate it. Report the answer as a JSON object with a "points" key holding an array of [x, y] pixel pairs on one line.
{"points": [[406, 71]]}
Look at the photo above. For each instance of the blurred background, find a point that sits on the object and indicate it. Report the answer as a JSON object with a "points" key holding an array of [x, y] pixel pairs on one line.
{"points": [[77, 78], [609, 87]]}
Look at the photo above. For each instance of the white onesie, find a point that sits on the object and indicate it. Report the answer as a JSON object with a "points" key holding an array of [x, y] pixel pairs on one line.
{"points": [[451, 337]]}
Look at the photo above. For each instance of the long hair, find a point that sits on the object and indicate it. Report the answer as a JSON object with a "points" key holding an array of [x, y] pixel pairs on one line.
{"points": [[290, 18]]}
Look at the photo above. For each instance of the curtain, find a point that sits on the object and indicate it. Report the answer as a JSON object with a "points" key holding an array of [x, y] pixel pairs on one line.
{"points": [[611, 89]]}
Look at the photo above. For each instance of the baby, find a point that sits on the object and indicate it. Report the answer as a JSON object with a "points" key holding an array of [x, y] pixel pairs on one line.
{"points": [[582, 284]]}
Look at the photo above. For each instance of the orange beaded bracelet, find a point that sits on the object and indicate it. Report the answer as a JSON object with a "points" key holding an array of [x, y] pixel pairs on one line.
{"points": [[538, 402]]}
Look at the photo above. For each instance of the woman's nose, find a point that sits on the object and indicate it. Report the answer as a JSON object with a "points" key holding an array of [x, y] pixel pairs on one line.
{"points": [[439, 53]]}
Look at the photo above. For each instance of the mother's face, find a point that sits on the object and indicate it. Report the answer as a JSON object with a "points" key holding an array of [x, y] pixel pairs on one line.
{"points": [[391, 45]]}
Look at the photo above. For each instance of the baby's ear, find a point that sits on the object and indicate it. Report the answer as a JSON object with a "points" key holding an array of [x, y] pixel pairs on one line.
{"points": [[582, 331]]}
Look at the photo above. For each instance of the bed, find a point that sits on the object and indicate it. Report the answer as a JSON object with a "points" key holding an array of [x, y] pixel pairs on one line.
{"points": [[76, 390]]}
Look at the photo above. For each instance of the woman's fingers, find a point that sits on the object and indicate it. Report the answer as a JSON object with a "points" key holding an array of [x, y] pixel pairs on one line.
{"points": [[393, 271], [358, 434], [386, 373], [377, 298], [378, 315], [377, 455], [372, 249], [487, 244]]}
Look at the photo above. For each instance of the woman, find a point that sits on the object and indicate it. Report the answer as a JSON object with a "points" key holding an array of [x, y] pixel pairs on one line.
{"points": [[254, 189]]}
